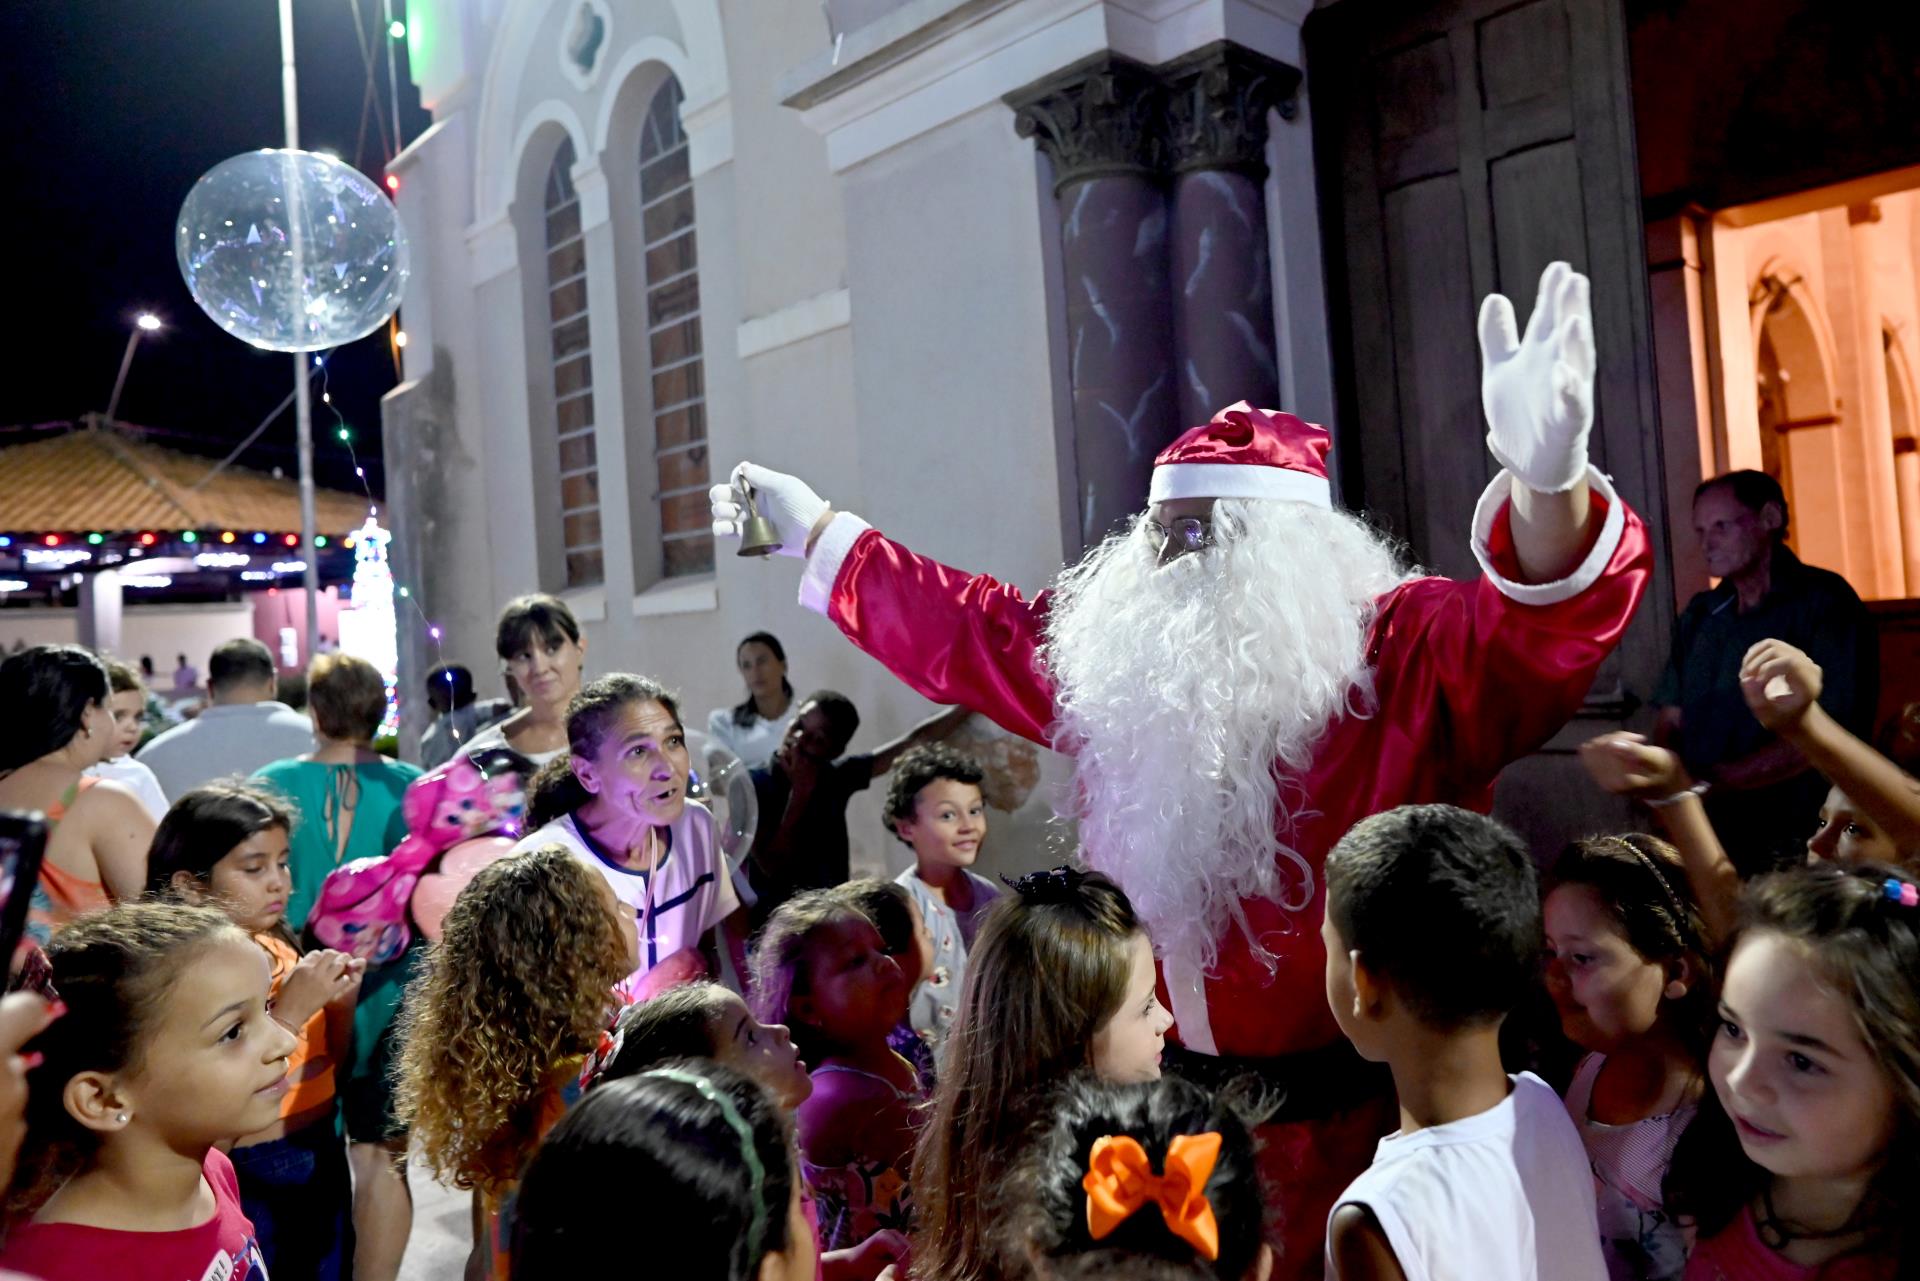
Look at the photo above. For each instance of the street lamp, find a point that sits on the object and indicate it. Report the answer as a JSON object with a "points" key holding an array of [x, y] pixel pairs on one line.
{"points": [[145, 323]]}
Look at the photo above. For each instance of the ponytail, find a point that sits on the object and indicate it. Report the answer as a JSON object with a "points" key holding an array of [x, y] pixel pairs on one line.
{"points": [[553, 792]]}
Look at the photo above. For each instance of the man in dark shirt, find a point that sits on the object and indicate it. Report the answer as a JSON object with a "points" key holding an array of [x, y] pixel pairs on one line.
{"points": [[801, 842], [1763, 798]]}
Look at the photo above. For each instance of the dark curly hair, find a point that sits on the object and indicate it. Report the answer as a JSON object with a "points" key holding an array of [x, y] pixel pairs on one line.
{"points": [[659, 1155], [1044, 1205], [919, 767], [113, 969], [1867, 949], [1643, 886], [1048, 970], [520, 982]]}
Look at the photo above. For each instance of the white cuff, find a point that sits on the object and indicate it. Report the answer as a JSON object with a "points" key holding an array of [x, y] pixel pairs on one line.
{"points": [[1585, 575], [824, 561]]}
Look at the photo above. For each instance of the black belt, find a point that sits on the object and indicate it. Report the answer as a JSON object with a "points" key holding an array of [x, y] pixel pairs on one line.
{"points": [[1309, 1086]]}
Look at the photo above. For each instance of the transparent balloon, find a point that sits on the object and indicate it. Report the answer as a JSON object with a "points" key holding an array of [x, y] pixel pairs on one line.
{"points": [[291, 250], [721, 781]]}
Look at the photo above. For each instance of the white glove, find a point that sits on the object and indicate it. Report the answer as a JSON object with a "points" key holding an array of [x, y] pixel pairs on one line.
{"points": [[1538, 390], [785, 500]]}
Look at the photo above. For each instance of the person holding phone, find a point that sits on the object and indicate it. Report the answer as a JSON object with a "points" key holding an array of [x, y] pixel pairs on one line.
{"points": [[59, 726]]}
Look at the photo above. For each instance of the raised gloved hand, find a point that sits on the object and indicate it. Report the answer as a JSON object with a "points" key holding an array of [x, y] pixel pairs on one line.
{"points": [[1538, 389], [787, 501]]}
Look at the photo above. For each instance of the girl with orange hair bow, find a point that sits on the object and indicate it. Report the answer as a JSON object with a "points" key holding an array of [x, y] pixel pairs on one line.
{"points": [[1160, 1174]]}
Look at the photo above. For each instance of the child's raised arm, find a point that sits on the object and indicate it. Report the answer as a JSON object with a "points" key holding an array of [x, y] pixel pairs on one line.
{"points": [[1782, 687], [1629, 765]]}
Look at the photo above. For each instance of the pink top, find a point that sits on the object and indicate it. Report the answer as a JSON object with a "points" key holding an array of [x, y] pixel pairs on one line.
{"points": [[1736, 1253], [221, 1249]]}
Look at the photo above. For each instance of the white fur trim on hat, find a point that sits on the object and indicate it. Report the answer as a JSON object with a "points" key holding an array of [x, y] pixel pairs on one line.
{"points": [[1237, 480]]}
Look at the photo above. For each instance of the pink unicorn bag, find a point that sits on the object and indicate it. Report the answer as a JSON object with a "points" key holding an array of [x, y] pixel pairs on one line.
{"points": [[364, 905]]}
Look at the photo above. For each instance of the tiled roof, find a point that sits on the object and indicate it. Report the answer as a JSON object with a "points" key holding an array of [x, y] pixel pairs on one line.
{"points": [[95, 478]]}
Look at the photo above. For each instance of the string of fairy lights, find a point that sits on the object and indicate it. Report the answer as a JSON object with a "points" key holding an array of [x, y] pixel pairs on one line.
{"points": [[373, 588], [373, 574]]}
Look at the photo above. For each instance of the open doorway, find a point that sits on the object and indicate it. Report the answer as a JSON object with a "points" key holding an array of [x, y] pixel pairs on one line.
{"points": [[1779, 157], [1815, 299]]}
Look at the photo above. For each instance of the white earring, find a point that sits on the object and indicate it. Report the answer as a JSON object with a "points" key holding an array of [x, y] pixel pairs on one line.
{"points": [[121, 1118]]}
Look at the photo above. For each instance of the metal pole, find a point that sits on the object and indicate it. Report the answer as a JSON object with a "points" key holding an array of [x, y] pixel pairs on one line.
{"points": [[393, 75], [126, 363], [302, 393]]}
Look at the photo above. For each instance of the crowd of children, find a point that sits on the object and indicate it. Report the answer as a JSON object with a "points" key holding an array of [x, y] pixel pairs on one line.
{"points": [[940, 1079]]}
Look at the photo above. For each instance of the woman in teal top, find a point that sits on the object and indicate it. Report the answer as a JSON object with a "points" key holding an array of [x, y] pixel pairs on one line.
{"points": [[347, 798]]}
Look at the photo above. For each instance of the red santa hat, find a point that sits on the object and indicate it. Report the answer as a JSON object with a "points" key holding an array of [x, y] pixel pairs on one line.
{"points": [[1246, 453]]}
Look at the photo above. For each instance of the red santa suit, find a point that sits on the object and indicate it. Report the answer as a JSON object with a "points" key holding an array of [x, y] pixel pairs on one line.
{"points": [[1468, 676]]}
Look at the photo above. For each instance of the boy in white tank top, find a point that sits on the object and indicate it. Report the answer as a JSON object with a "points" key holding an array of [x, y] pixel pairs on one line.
{"points": [[1433, 934]]}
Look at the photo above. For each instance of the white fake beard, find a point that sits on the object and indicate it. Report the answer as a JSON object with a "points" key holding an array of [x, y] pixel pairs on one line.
{"points": [[1192, 697]]}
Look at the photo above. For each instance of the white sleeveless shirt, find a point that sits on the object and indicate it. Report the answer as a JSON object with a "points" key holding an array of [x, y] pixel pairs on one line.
{"points": [[1502, 1196]]}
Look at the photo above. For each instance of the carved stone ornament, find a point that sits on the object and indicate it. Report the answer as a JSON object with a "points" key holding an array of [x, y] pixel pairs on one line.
{"points": [[1217, 99], [1099, 117]]}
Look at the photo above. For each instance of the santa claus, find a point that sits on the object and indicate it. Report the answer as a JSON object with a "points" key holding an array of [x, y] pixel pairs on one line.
{"points": [[1246, 672]]}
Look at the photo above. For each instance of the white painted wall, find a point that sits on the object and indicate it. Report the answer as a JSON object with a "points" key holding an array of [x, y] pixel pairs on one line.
{"points": [[164, 631], [875, 316]]}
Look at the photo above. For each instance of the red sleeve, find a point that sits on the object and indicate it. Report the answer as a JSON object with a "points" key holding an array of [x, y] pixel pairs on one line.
{"points": [[954, 637], [1493, 677]]}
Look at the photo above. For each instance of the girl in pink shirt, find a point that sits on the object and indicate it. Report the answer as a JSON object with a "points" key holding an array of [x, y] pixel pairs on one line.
{"points": [[167, 1049], [1804, 1162]]}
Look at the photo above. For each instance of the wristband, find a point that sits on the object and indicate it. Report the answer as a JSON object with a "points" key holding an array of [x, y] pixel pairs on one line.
{"points": [[1661, 802]]}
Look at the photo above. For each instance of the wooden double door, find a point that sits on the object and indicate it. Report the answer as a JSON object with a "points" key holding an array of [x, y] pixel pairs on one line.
{"points": [[1462, 146]]}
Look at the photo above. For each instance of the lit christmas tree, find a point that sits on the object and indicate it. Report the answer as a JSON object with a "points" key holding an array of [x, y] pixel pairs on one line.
{"points": [[373, 631]]}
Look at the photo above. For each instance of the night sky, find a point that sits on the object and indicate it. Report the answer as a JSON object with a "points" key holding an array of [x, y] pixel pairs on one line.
{"points": [[114, 108]]}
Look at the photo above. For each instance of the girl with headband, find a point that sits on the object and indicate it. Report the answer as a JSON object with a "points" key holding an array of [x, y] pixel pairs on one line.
{"points": [[1155, 1179], [1627, 970], [693, 1159]]}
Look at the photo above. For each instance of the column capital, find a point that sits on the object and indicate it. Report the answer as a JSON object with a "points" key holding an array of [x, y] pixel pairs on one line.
{"points": [[1217, 99], [1099, 117]]}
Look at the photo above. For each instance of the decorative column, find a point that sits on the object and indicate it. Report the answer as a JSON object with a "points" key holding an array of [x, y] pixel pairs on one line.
{"points": [[1098, 121], [99, 616], [1217, 101]]}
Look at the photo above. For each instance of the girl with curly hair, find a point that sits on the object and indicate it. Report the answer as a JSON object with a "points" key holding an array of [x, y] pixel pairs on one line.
{"points": [[511, 1001]]}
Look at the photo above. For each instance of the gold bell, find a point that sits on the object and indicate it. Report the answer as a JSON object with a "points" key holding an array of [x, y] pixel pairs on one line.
{"points": [[758, 537]]}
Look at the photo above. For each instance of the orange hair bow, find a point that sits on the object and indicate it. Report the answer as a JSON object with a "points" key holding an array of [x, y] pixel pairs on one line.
{"points": [[1120, 1180]]}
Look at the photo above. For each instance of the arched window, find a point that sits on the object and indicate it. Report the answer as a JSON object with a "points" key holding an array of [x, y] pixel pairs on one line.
{"points": [[673, 338], [572, 375]]}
